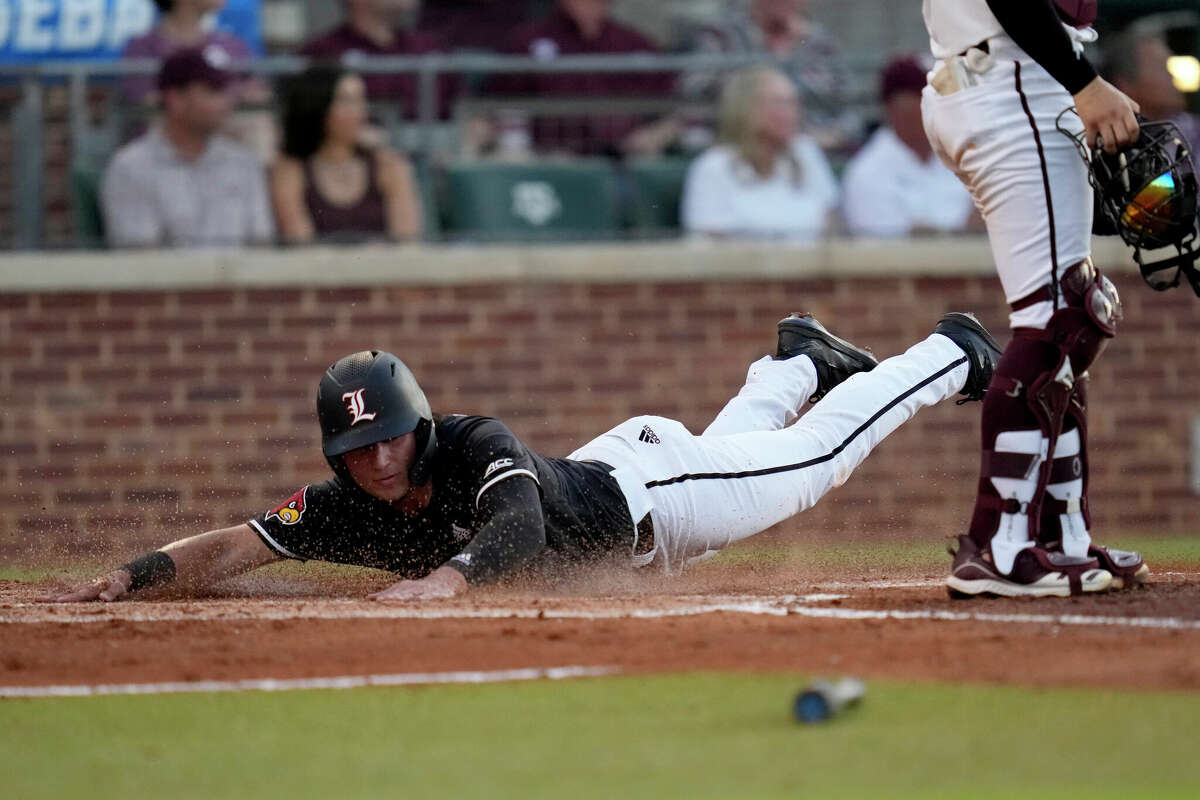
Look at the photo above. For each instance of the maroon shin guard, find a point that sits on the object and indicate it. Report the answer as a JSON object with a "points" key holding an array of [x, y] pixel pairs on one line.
{"points": [[1050, 524], [1006, 408]]}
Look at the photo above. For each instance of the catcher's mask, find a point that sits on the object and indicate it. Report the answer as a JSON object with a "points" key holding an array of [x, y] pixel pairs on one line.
{"points": [[1146, 193], [370, 397]]}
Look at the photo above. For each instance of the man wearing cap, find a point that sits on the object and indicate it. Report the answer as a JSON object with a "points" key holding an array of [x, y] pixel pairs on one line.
{"points": [[895, 186], [183, 184]]}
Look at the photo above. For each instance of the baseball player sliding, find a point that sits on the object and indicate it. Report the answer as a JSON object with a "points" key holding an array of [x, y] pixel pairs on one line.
{"points": [[448, 502], [1006, 70]]}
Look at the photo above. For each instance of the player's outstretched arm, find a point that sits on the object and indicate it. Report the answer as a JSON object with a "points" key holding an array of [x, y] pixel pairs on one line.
{"points": [[194, 563]]}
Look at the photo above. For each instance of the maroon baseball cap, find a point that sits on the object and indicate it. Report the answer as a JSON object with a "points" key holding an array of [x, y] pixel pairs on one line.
{"points": [[209, 64], [901, 75]]}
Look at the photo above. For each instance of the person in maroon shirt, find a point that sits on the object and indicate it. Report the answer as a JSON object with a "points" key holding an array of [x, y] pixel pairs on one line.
{"points": [[374, 28], [578, 27], [472, 24], [181, 23]]}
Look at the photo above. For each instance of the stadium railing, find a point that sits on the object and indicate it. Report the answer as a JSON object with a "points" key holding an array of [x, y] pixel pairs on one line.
{"points": [[88, 95]]}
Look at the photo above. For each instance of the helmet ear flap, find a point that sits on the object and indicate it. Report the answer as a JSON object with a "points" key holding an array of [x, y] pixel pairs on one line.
{"points": [[426, 443], [338, 465]]}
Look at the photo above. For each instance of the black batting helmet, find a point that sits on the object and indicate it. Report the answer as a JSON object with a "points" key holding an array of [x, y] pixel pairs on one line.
{"points": [[1146, 193], [370, 397]]}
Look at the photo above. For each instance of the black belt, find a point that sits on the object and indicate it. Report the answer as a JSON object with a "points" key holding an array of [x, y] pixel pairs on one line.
{"points": [[645, 527]]}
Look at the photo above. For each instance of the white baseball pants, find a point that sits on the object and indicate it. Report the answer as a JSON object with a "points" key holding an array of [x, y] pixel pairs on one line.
{"points": [[756, 465], [997, 133]]}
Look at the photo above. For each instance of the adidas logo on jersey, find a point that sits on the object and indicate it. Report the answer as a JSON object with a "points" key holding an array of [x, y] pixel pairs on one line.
{"points": [[499, 463], [463, 558], [648, 436]]}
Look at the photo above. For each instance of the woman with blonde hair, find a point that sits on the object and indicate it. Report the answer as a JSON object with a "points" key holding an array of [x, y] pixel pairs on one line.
{"points": [[763, 177]]}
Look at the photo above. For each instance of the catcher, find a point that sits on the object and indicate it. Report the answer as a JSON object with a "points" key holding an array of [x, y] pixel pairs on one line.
{"points": [[448, 502]]}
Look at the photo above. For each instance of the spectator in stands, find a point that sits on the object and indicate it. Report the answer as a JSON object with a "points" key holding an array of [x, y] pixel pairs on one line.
{"points": [[327, 185], [807, 53], [471, 25], [763, 178], [1136, 63], [384, 28], [183, 23], [183, 183], [578, 27], [895, 185]]}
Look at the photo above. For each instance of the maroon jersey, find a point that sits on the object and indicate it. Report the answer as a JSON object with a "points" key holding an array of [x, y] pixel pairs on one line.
{"points": [[558, 35], [345, 40]]}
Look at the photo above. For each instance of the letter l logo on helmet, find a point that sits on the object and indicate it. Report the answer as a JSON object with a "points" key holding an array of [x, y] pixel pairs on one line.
{"points": [[357, 406]]}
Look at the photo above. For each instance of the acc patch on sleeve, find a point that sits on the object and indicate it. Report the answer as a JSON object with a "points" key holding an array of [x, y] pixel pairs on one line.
{"points": [[499, 463], [291, 510]]}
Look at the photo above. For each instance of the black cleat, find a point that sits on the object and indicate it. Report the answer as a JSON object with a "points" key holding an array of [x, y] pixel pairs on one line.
{"points": [[983, 353], [835, 358]]}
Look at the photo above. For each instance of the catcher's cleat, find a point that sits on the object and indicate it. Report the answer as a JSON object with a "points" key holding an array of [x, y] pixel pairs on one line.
{"points": [[983, 353], [1036, 572], [835, 358], [1128, 568]]}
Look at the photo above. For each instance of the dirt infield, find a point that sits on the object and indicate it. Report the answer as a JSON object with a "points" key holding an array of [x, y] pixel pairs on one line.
{"points": [[731, 618]]}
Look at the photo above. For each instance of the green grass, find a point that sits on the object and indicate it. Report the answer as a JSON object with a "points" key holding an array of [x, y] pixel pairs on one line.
{"points": [[35, 573], [925, 553], [696, 736], [857, 553]]}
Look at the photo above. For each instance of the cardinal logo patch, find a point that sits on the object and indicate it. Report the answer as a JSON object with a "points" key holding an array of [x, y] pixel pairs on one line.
{"points": [[291, 510]]}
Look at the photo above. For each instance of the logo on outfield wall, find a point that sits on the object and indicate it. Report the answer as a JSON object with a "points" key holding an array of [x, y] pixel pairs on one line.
{"points": [[356, 406], [536, 202], [291, 510], [32, 31]]}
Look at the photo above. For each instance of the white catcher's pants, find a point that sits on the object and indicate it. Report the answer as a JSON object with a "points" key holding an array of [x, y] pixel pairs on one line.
{"points": [[756, 465], [1029, 183]]}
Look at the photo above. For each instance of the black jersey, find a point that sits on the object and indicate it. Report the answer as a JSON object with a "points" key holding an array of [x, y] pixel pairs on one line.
{"points": [[495, 504]]}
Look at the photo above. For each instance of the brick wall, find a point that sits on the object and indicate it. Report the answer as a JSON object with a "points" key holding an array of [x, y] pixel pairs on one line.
{"points": [[131, 418]]}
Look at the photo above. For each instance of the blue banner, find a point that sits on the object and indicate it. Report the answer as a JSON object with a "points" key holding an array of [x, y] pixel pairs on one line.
{"points": [[45, 30]]}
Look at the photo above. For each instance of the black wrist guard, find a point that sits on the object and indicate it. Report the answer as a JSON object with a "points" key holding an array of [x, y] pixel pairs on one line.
{"points": [[150, 569]]}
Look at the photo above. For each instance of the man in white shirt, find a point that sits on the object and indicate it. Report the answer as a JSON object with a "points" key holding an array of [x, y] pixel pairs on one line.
{"points": [[895, 186], [183, 184]]}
